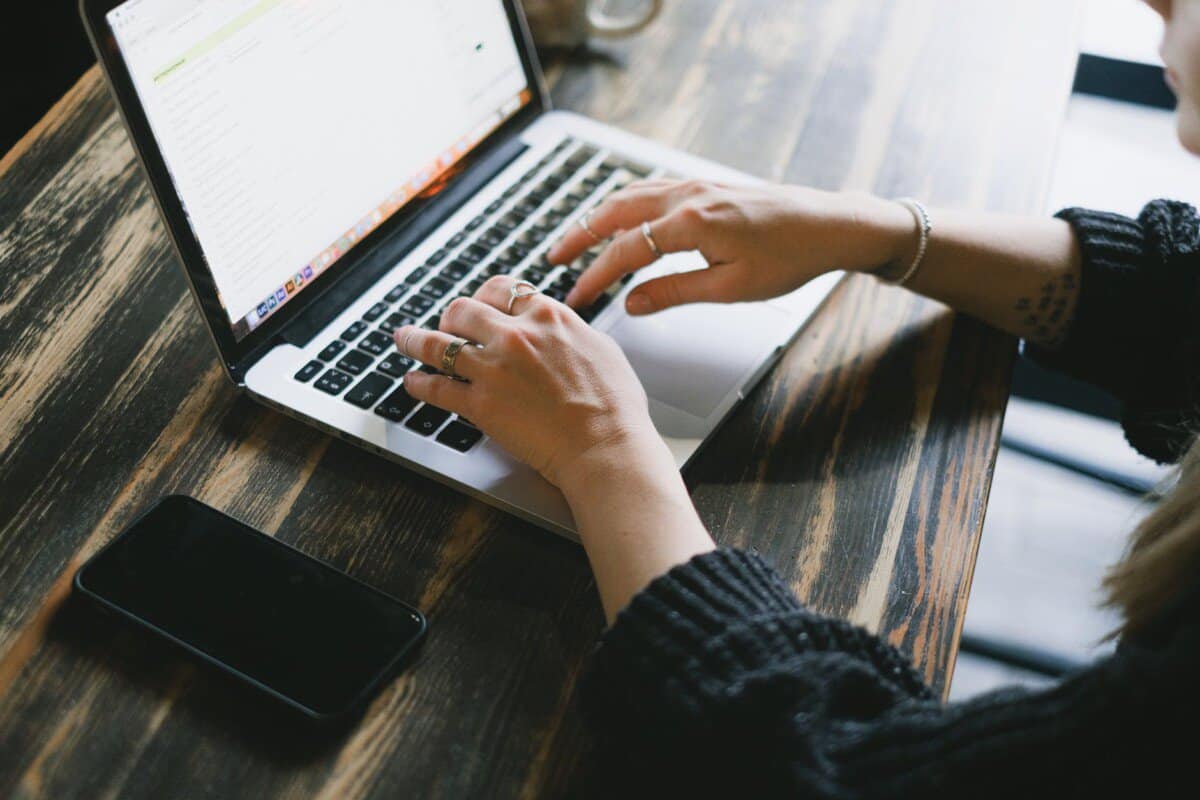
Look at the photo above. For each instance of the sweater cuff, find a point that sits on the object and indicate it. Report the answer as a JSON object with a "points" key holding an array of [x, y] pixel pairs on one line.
{"points": [[706, 628], [1112, 247]]}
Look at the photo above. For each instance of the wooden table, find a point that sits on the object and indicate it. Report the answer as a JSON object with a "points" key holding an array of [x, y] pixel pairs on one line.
{"points": [[860, 467]]}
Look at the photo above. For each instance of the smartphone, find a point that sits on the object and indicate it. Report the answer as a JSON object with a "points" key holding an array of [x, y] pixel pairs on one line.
{"points": [[256, 608]]}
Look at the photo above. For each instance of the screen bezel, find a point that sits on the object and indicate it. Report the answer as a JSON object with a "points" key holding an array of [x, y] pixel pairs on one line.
{"points": [[234, 352], [369, 688]]}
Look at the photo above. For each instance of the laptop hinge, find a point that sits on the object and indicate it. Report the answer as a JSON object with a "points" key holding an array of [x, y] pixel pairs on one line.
{"points": [[387, 253]]}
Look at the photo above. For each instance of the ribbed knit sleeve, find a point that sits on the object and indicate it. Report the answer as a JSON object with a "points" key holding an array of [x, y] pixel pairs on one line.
{"points": [[716, 682], [1137, 323]]}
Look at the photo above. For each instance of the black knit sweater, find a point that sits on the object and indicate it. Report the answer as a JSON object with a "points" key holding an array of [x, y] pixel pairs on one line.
{"points": [[716, 681]]}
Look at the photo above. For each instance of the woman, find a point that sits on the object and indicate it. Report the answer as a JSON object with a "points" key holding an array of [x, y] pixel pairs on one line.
{"points": [[713, 677]]}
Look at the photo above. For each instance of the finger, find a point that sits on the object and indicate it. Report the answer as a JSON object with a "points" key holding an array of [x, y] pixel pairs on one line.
{"points": [[471, 319], [428, 347], [717, 284], [620, 211], [438, 390], [630, 252], [497, 291]]}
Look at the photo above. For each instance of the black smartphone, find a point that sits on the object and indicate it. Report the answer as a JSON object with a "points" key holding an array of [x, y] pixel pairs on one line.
{"points": [[300, 630]]}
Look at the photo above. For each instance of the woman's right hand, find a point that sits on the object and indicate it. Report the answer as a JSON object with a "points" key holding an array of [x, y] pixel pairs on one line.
{"points": [[759, 241]]}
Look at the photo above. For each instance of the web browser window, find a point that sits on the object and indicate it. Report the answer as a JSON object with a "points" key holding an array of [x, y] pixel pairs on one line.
{"points": [[292, 128]]}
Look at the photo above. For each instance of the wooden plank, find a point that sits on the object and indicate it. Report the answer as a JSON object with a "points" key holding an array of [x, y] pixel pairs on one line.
{"points": [[860, 466]]}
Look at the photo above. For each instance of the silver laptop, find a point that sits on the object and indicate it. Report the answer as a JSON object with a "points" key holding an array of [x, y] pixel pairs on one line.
{"points": [[331, 171]]}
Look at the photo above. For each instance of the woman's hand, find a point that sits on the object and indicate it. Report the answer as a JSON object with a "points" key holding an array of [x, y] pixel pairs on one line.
{"points": [[561, 396], [551, 390], [759, 241]]}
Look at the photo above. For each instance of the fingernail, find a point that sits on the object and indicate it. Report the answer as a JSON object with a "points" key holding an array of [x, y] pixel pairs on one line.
{"points": [[572, 296], [552, 253], [638, 304]]}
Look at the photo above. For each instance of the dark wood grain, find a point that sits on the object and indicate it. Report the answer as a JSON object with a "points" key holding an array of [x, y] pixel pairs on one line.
{"points": [[860, 467]]}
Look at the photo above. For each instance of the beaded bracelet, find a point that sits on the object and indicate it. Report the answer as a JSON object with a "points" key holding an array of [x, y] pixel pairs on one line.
{"points": [[924, 228]]}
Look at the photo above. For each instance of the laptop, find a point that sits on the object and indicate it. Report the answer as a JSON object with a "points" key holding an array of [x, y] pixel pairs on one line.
{"points": [[329, 171]]}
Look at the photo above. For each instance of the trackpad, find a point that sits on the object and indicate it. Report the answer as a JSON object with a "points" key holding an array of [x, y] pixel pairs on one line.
{"points": [[692, 357]]}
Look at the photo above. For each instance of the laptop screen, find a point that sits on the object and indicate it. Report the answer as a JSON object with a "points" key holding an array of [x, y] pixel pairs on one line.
{"points": [[293, 128]]}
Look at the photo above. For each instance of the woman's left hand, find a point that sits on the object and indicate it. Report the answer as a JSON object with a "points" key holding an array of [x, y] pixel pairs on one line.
{"points": [[550, 389]]}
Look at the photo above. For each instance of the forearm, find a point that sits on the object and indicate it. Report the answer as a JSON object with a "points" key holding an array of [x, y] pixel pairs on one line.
{"points": [[1019, 274], [634, 517]]}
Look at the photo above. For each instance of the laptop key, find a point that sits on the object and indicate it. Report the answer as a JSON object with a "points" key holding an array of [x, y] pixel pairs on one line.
{"points": [[514, 255], [438, 257], [308, 371], [355, 362], [367, 391], [457, 269], [593, 311], [397, 405], [395, 321], [395, 365], [436, 288], [396, 293], [494, 207], [376, 342], [460, 437], [416, 275], [333, 382], [331, 350], [433, 322], [375, 312], [427, 420], [581, 156], [417, 305], [474, 253], [492, 237], [354, 331]]}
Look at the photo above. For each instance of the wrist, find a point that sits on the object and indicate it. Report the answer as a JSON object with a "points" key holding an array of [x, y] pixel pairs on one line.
{"points": [[632, 456], [887, 234]]}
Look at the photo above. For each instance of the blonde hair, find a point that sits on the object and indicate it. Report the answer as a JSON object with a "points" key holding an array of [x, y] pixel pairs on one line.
{"points": [[1163, 559]]}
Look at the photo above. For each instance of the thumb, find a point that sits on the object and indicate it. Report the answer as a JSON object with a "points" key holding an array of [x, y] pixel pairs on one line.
{"points": [[710, 285]]}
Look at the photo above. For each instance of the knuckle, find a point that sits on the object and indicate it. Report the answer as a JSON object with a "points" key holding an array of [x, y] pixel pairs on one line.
{"points": [[544, 313], [431, 351], [506, 339], [496, 282], [435, 392], [457, 308], [692, 214]]}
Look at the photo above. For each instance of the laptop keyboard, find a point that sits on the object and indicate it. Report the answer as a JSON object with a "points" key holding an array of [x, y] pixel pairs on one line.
{"points": [[510, 237]]}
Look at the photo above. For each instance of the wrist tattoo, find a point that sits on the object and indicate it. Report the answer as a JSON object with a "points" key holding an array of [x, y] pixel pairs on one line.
{"points": [[1046, 318]]}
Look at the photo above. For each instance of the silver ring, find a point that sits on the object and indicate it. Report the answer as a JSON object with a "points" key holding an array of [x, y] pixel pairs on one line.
{"points": [[404, 347], [451, 355], [583, 223], [653, 245], [515, 293]]}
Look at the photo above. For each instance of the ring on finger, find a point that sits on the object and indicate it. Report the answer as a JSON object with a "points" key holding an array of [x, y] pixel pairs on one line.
{"points": [[450, 355], [584, 222], [649, 237], [518, 290], [404, 347]]}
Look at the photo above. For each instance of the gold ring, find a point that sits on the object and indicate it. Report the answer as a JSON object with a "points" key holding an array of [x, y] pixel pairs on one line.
{"points": [[653, 245], [583, 223], [515, 292], [451, 355]]}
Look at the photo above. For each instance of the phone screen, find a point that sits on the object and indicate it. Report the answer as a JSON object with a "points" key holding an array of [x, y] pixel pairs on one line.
{"points": [[299, 628]]}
